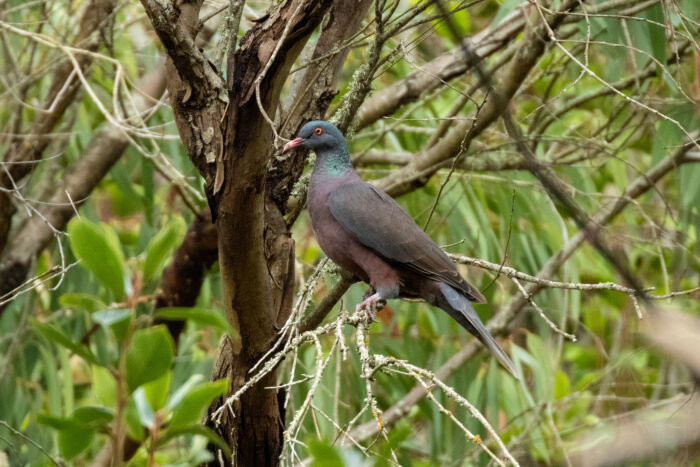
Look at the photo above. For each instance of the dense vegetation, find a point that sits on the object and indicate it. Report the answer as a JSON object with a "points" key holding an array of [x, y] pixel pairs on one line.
{"points": [[119, 326]]}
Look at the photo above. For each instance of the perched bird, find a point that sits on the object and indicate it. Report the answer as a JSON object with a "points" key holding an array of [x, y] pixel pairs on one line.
{"points": [[365, 231]]}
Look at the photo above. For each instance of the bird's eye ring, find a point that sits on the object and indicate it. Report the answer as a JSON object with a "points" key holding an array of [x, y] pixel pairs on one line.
{"points": [[318, 131]]}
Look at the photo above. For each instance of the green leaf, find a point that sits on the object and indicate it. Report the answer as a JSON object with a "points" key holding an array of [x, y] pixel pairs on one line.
{"points": [[98, 418], [562, 386], [109, 317], [96, 250], [657, 34], [157, 390], [124, 203], [73, 436], [88, 302], [507, 6], [117, 320], [58, 423], [206, 316], [133, 422], [182, 391], [73, 442], [200, 430], [55, 335], [192, 406], [149, 355], [324, 455], [160, 248], [144, 409], [104, 387]]}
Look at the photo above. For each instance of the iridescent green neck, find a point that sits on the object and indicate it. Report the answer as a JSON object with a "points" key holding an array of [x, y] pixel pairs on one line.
{"points": [[333, 163]]}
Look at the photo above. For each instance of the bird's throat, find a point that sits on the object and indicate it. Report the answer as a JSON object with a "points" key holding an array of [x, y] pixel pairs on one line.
{"points": [[333, 164]]}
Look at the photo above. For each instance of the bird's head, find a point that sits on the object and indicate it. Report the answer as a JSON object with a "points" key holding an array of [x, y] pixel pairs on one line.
{"points": [[319, 136]]}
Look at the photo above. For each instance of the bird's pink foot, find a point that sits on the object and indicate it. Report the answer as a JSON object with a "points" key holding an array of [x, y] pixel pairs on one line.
{"points": [[369, 307]]}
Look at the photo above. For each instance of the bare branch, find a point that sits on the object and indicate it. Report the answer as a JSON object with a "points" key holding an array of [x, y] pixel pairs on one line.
{"points": [[64, 88]]}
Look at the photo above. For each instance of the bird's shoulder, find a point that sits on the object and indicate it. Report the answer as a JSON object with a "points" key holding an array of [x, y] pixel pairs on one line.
{"points": [[367, 201], [379, 223]]}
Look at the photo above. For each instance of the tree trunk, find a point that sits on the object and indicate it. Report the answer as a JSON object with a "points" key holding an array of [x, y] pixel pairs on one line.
{"points": [[230, 141]]}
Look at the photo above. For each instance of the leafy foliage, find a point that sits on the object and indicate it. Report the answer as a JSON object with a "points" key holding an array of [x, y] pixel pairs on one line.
{"points": [[86, 358]]}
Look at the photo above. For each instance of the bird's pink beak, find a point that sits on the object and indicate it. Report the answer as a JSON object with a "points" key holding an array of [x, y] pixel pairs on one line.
{"points": [[293, 143]]}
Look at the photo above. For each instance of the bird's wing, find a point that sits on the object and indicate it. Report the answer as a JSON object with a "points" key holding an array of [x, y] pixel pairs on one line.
{"points": [[379, 223]]}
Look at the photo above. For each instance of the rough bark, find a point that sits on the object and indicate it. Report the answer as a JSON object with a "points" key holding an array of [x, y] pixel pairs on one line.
{"points": [[230, 143], [314, 91], [256, 251]]}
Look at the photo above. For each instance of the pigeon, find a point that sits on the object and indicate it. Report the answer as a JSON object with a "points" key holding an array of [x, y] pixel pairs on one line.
{"points": [[366, 232]]}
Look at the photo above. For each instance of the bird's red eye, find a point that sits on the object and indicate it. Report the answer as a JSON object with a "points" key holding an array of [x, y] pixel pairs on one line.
{"points": [[318, 131]]}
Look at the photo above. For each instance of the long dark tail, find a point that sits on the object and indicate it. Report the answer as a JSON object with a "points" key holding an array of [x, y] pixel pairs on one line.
{"points": [[459, 308]]}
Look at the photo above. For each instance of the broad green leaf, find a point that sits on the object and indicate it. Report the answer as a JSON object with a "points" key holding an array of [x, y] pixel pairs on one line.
{"points": [[109, 317], [144, 409], [324, 455], [97, 418], [73, 442], [55, 335], [192, 406], [161, 246], [206, 316], [177, 396], [197, 429], [96, 251], [133, 422], [157, 390], [58, 423], [73, 435], [104, 387], [117, 320], [149, 355]]}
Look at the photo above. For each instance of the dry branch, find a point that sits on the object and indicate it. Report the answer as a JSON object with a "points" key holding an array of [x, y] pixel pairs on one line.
{"points": [[458, 139], [28, 238], [35, 233], [450, 65], [97, 18], [438, 71]]}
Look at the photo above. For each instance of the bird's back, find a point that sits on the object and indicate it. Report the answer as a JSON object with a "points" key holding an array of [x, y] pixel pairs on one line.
{"points": [[380, 223]]}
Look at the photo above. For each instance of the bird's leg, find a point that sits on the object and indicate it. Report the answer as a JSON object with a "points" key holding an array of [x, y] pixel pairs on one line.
{"points": [[369, 306], [375, 300]]}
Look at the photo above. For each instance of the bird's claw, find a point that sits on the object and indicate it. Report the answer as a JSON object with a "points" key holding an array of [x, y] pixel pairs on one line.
{"points": [[369, 307]]}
